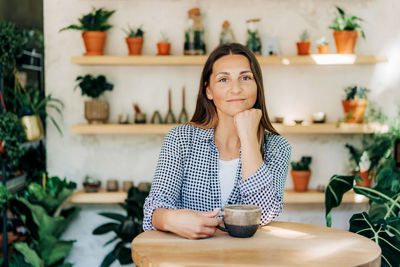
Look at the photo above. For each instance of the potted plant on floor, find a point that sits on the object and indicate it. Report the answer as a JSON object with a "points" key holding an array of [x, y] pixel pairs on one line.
{"points": [[303, 47], [355, 103], [134, 40], [93, 26], [346, 30], [163, 46], [96, 110], [126, 227], [301, 174], [323, 46]]}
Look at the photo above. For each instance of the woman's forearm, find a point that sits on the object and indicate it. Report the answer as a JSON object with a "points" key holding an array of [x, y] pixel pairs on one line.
{"points": [[160, 219], [251, 157]]}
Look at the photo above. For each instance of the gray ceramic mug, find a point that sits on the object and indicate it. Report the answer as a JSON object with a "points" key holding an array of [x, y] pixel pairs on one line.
{"points": [[240, 220]]}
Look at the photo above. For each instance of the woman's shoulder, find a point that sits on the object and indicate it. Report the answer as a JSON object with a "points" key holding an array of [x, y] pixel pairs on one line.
{"points": [[187, 132], [276, 142]]}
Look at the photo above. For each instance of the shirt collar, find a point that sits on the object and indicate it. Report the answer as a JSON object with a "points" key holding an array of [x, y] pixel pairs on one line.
{"points": [[206, 134]]}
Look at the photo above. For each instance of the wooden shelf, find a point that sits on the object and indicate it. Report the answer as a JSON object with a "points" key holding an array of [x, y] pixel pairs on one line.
{"points": [[291, 197], [323, 128], [315, 59]]}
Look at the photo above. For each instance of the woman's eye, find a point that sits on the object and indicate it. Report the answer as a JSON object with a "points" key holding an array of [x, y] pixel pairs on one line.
{"points": [[222, 80], [246, 78]]}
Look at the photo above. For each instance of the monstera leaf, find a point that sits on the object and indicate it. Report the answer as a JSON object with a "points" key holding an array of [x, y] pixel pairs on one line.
{"points": [[361, 224]]}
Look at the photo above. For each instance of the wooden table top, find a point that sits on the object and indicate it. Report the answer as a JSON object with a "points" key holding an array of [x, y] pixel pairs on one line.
{"points": [[276, 244]]}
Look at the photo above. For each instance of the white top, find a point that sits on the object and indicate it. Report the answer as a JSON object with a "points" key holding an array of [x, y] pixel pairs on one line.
{"points": [[227, 175]]}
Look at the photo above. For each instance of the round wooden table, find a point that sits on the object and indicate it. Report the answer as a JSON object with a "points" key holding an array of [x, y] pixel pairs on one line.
{"points": [[276, 244]]}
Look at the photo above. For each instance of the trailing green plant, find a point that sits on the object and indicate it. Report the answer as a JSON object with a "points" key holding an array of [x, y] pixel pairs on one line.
{"points": [[39, 209], [374, 113], [29, 102], [382, 222], [12, 134], [304, 37], [356, 92], [5, 195], [11, 46], [93, 87], [96, 20], [134, 32], [346, 22], [302, 165], [126, 227]]}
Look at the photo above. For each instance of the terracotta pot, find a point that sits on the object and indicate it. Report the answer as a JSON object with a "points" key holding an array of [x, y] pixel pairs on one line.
{"points": [[135, 45], [345, 41], [94, 42], [367, 178], [96, 111], [300, 180], [33, 127], [163, 48], [354, 110], [303, 48], [323, 49], [1, 147]]}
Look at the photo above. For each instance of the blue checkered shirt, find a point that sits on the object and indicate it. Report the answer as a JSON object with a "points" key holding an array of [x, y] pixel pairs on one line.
{"points": [[186, 176]]}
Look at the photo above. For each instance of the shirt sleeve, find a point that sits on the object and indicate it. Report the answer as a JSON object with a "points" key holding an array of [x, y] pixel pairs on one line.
{"points": [[266, 186], [167, 182]]}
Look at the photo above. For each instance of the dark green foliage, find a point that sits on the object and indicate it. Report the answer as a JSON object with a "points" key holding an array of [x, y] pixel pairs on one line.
{"points": [[12, 43], [345, 22], [93, 21], [131, 32], [302, 165], [356, 92], [93, 87], [126, 227], [12, 134]]}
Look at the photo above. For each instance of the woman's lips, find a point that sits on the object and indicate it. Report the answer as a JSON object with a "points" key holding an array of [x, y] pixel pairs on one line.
{"points": [[236, 100]]}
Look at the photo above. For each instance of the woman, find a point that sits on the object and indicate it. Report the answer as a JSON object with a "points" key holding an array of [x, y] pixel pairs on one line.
{"points": [[229, 153]]}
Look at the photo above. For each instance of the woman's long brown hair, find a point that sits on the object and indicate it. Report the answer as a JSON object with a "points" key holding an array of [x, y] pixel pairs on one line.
{"points": [[205, 115]]}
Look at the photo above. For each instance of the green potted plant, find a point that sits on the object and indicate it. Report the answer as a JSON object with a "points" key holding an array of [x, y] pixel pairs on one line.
{"points": [[163, 46], [303, 47], [11, 46], [381, 222], [126, 227], [94, 26], [301, 174], [323, 46], [346, 30], [253, 38], [96, 110], [134, 40], [355, 103]]}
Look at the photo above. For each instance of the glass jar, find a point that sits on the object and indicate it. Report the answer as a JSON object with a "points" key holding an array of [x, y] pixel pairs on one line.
{"points": [[253, 37], [226, 36], [194, 34]]}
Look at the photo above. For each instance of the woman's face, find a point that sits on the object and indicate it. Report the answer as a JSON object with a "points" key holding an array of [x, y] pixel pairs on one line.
{"points": [[232, 86]]}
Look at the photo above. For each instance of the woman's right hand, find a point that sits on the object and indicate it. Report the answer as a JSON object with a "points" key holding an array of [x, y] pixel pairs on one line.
{"points": [[192, 224]]}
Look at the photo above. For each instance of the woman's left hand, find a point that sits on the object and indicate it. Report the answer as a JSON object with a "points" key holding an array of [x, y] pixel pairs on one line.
{"points": [[247, 122]]}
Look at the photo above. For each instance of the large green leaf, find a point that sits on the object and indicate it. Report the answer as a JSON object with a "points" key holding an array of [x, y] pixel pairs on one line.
{"points": [[108, 259], [125, 256], [114, 216], [29, 254], [53, 250], [361, 224], [337, 187], [105, 228]]}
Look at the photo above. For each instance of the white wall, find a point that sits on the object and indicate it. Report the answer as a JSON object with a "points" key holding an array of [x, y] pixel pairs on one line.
{"points": [[295, 91]]}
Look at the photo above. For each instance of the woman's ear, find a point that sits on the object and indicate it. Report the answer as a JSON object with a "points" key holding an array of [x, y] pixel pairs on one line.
{"points": [[209, 93]]}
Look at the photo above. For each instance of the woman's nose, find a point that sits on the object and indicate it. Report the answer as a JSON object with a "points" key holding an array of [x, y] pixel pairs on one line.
{"points": [[236, 88]]}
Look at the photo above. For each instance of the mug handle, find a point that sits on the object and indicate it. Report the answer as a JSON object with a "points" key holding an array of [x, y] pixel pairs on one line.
{"points": [[221, 213]]}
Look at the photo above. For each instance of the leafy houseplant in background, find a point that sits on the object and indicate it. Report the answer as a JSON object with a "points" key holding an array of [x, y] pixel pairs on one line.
{"points": [[323, 46], [125, 227], [134, 40], [301, 174], [11, 46], [94, 26], [253, 37], [303, 47], [96, 111], [355, 103], [346, 30], [163, 46]]}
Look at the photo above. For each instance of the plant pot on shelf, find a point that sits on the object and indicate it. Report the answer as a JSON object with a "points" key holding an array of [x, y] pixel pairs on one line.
{"points": [[91, 187], [323, 49], [96, 111], [303, 48], [345, 41], [94, 42], [135, 45], [163, 48], [300, 180], [366, 176], [33, 127], [354, 110]]}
